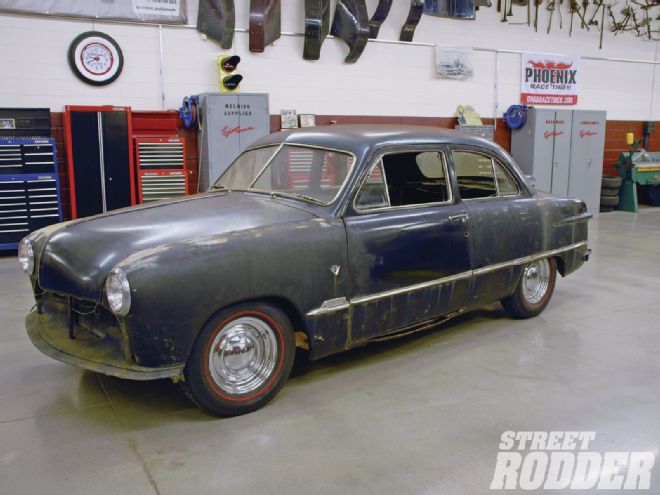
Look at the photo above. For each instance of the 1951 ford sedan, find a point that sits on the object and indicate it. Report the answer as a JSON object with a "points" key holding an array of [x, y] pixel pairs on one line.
{"points": [[323, 238]]}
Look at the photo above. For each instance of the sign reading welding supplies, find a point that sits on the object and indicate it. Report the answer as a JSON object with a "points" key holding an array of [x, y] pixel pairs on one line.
{"points": [[549, 79]]}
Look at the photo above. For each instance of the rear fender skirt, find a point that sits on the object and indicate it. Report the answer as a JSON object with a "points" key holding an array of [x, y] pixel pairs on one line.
{"points": [[414, 15], [265, 23], [216, 19], [317, 27], [351, 24], [382, 10]]}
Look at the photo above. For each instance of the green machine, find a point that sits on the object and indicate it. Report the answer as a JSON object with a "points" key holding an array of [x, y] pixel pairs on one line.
{"points": [[645, 170]]}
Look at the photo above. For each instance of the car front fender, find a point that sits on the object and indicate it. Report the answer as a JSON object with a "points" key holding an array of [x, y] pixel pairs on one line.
{"points": [[176, 288]]}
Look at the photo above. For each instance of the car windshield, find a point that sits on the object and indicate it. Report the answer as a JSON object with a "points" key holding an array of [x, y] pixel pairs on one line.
{"points": [[312, 174]]}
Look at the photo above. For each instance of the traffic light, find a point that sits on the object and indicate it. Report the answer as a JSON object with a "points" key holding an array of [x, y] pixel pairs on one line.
{"points": [[228, 78]]}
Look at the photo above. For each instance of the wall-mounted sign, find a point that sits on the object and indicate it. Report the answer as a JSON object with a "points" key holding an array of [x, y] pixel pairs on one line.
{"points": [[156, 11], [549, 79]]}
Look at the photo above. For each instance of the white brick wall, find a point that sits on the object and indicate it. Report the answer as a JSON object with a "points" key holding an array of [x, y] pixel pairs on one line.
{"points": [[389, 79]]}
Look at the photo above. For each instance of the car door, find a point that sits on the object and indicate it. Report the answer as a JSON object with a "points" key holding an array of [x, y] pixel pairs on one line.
{"points": [[505, 223], [408, 244]]}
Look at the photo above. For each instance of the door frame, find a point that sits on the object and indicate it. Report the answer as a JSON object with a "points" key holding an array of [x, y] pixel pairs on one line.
{"points": [[453, 201]]}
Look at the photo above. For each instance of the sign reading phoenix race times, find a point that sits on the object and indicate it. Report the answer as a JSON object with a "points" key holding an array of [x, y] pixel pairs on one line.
{"points": [[549, 79]]}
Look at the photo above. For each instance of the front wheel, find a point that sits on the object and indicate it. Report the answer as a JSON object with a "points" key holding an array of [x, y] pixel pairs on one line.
{"points": [[240, 360], [534, 289]]}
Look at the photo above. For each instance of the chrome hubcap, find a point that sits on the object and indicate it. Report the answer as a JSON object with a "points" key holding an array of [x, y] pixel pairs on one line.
{"points": [[536, 279], [243, 355]]}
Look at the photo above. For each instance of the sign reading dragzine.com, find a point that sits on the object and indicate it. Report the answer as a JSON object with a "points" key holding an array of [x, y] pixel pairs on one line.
{"points": [[561, 460], [549, 79]]}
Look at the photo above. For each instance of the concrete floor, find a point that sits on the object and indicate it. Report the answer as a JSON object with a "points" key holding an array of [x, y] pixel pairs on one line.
{"points": [[422, 415]]}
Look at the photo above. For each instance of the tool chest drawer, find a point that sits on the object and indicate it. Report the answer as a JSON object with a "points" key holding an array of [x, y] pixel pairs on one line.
{"points": [[27, 156]]}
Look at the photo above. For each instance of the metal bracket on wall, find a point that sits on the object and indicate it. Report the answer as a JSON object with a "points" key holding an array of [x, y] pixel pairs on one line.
{"points": [[382, 10], [216, 19], [414, 15], [317, 27], [265, 23], [351, 24]]}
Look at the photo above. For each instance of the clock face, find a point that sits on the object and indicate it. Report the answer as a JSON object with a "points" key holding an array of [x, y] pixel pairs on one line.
{"points": [[95, 58]]}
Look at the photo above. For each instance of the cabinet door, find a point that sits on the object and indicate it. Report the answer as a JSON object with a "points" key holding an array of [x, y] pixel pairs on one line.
{"points": [[542, 130], [587, 148], [116, 166], [220, 136], [253, 119], [87, 193], [561, 152]]}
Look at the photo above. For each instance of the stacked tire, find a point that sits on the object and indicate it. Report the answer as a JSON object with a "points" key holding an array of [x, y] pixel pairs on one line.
{"points": [[609, 192]]}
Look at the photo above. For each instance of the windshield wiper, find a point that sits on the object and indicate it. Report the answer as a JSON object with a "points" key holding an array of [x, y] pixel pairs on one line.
{"points": [[220, 187]]}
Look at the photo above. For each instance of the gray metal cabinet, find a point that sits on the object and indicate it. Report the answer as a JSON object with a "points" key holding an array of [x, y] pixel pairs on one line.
{"points": [[229, 123], [563, 151], [587, 150]]}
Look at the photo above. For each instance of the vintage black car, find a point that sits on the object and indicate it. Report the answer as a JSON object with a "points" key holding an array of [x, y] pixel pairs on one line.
{"points": [[324, 239]]}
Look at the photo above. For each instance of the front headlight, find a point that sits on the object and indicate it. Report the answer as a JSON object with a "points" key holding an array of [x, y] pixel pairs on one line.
{"points": [[26, 256], [118, 292]]}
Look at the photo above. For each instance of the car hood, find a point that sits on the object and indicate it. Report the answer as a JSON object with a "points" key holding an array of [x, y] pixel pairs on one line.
{"points": [[77, 257]]}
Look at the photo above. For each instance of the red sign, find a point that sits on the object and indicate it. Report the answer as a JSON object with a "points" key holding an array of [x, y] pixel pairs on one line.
{"points": [[549, 79]]}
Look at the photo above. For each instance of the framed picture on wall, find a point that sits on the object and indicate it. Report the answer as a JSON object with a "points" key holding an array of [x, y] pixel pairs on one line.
{"points": [[289, 119], [307, 120]]}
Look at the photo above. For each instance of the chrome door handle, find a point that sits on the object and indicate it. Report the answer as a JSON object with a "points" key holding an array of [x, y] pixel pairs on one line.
{"points": [[463, 217]]}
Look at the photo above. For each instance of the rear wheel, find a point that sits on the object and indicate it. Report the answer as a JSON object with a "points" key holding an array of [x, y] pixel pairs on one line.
{"points": [[240, 360], [534, 289]]}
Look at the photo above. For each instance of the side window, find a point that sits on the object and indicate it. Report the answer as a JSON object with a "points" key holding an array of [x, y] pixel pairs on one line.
{"points": [[416, 178], [373, 193], [506, 186], [402, 179], [474, 173]]}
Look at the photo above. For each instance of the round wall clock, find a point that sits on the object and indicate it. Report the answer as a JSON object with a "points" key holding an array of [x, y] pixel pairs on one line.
{"points": [[95, 58]]}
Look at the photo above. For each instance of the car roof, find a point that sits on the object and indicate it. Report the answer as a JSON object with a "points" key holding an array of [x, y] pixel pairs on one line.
{"points": [[360, 138]]}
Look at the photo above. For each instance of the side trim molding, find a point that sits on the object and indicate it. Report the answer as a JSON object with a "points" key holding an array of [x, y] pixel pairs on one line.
{"points": [[340, 303], [330, 306], [527, 259]]}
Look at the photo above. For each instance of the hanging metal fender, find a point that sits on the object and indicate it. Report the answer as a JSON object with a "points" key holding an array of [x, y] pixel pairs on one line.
{"points": [[265, 23], [351, 24], [217, 20], [379, 17], [317, 27], [414, 15]]}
